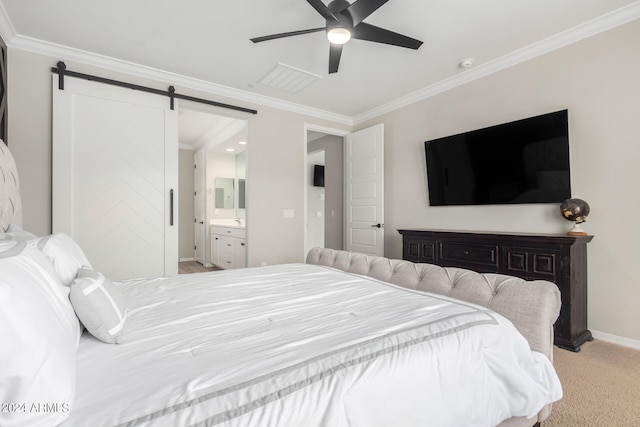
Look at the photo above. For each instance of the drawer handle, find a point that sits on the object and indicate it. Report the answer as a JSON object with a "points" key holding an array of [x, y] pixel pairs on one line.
{"points": [[229, 231], [466, 252], [241, 244], [228, 244]]}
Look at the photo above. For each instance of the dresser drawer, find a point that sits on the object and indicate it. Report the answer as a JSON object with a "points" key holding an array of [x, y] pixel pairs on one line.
{"points": [[451, 252], [229, 245], [229, 231], [420, 251], [531, 263]]}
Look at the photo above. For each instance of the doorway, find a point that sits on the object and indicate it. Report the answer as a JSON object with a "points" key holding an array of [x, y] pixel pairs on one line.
{"points": [[217, 146], [324, 217], [360, 172]]}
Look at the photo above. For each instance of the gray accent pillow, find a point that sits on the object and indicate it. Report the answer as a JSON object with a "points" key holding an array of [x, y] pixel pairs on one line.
{"points": [[65, 254], [99, 305]]}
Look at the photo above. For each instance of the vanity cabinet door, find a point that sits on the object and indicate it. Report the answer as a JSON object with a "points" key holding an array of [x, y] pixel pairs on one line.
{"points": [[241, 253], [215, 249], [228, 247]]}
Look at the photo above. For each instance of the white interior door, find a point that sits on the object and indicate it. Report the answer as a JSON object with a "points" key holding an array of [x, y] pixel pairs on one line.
{"points": [[115, 177], [199, 206], [364, 185]]}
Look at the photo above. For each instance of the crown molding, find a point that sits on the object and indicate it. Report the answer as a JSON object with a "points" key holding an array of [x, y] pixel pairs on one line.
{"points": [[7, 32], [65, 53], [598, 25]]}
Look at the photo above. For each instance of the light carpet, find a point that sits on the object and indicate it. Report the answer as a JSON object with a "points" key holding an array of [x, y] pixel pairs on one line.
{"points": [[601, 386]]}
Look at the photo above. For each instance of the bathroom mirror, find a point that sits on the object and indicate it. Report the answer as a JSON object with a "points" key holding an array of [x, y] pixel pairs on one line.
{"points": [[224, 193], [241, 174]]}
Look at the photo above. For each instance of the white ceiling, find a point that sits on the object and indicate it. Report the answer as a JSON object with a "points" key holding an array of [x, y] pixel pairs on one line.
{"points": [[219, 133], [209, 40]]}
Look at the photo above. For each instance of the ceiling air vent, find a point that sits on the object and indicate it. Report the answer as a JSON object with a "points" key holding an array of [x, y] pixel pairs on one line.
{"points": [[288, 78]]}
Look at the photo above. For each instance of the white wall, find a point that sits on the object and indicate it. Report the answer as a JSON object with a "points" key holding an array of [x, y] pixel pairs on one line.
{"points": [[598, 80]]}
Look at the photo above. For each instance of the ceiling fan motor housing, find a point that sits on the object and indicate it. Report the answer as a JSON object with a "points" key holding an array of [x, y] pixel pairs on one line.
{"points": [[344, 19]]}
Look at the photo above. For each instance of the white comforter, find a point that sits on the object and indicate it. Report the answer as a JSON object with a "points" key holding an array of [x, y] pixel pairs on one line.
{"points": [[302, 345]]}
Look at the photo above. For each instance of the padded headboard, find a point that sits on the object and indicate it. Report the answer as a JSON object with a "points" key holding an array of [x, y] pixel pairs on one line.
{"points": [[10, 202], [532, 307]]}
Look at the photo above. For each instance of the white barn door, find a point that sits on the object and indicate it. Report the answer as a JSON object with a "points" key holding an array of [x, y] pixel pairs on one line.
{"points": [[364, 184], [115, 177]]}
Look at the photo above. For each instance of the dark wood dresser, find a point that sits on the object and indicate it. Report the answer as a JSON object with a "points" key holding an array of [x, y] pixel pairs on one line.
{"points": [[559, 259]]}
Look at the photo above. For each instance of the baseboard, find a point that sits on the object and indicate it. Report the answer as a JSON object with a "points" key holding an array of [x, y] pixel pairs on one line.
{"points": [[186, 259], [615, 339]]}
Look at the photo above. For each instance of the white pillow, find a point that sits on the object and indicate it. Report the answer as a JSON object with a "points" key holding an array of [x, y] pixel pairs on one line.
{"points": [[65, 255], [99, 305], [6, 244], [40, 337]]}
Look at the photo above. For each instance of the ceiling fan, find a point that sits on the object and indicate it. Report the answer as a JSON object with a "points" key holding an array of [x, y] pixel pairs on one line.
{"points": [[344, 22]]}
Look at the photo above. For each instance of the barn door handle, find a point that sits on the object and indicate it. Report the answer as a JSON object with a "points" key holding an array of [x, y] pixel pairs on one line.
{"points": [[171, 207]]}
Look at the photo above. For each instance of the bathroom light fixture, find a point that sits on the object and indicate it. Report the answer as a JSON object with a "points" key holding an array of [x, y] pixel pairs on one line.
{"points": [[230, 149], [242, 142]]}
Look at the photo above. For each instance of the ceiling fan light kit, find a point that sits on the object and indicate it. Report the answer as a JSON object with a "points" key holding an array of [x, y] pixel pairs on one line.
{"points": [[338, 35], [344, 22]]}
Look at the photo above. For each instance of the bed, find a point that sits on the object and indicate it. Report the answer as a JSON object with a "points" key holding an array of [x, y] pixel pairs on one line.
{"points": [[341, 340]]}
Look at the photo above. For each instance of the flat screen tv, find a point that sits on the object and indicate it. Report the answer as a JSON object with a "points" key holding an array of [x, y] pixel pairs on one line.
{"points": [[526, 161], [318, 175]]}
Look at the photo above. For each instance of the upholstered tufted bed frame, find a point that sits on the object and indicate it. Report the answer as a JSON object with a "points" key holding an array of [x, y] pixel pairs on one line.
{"points": [[10, 203], [532, 306]]}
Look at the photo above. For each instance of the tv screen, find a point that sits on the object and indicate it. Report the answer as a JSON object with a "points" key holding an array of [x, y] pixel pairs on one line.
{"points": [[318, 175], [526, 161]]}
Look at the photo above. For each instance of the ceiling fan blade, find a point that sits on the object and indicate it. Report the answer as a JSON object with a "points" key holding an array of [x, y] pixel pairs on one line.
{"points": [[322, 9], [364, 31], [334, 57], [360, 9], [289, 34]]}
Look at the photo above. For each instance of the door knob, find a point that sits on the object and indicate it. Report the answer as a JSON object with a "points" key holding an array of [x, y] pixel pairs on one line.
{"points": [[378, 225]]}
